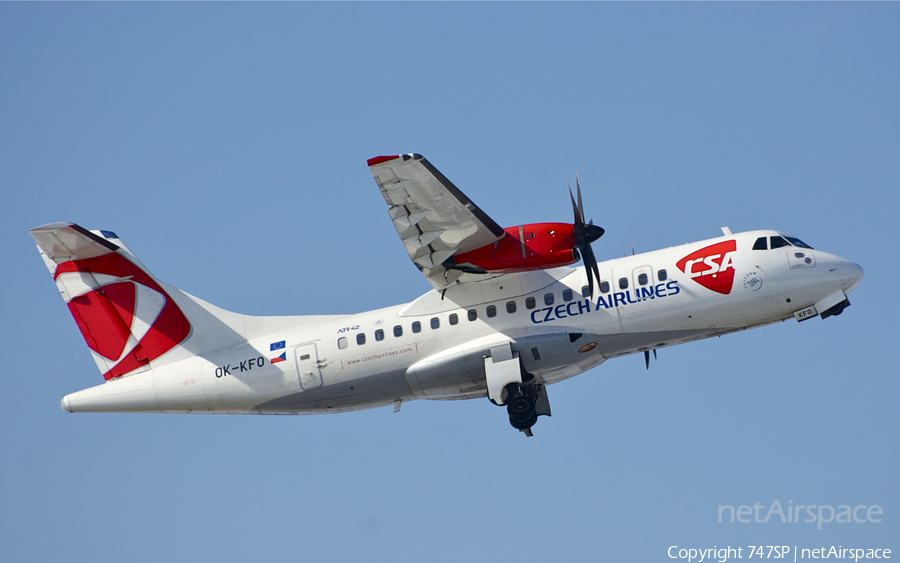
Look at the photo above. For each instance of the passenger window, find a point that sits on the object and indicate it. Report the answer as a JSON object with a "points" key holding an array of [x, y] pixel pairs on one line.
{"points": [[435, 323], [567, 295], [662, 275], [642, 279], [417, 326], [473, 314], [361, 338], [453, 318], [586, 291], [778, 242], [491, 311], [529, 302], [623, 283], [548, 299], [398, 331], [379, 335], [510, 307], [604, 287], [342, 343], [760, 244]]}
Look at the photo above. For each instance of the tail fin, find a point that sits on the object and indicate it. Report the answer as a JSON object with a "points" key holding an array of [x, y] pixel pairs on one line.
{"points": [[126, 316]]}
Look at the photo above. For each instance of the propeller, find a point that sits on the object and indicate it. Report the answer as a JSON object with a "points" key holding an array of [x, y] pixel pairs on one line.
{"points": [[585, 234]]}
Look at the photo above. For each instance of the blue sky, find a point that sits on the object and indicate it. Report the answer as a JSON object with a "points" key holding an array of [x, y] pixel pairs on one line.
{"points": [[226, 144]]}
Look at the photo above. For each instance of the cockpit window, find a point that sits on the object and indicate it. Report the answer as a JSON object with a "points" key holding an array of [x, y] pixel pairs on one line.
{"points": [[797, 242], [778, 242], [760, 244]]}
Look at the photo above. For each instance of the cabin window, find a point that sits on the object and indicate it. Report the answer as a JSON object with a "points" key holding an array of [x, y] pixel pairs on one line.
{"points": [[604, 287], [435, 323], [398, 331], [379, 335], [586, 291], [342, 343], [760, 244], [510, 307], [623, 283], [473, 314], [491, 310], [529, 303], [548, 299], [662, 275], [642, 279], [567, 295], [453, 318], [361, 338], [778, 242], [417, 326]]}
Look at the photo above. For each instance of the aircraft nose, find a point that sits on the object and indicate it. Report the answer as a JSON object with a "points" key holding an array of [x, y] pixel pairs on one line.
{"points": [[851, 274]]}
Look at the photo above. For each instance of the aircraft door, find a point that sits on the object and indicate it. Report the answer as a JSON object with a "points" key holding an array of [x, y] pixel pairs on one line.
{"points": [[635, 293], [643, 281], [308, 366]]}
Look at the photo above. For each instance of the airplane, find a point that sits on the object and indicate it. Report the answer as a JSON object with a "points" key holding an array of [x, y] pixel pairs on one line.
{"points": [[508, 314]]}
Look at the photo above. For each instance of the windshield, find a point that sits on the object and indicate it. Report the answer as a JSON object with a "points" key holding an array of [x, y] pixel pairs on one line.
{"points": [[797, 242]]}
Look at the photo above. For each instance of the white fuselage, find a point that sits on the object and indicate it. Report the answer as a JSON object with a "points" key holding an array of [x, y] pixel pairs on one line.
{"points": [[353, 362]]}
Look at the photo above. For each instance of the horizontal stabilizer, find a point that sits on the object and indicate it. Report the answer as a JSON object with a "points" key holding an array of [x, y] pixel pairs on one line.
{"points": [[62, 242]]}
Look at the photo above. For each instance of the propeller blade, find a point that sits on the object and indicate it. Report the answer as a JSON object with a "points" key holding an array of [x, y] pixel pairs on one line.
{"points": [[585, 234], [580, 204], [587, 255], [579, 219], [590, 263]]}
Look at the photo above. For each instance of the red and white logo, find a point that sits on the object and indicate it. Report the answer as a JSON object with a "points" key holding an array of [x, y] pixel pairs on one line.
{"points": [[129, 320], [711, 266]]}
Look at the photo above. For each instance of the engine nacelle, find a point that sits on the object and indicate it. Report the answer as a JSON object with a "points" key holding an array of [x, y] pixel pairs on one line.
{"points": [[527, 247]]}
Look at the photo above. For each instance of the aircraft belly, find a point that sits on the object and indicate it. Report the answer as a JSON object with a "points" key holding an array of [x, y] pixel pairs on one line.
{"points": [[344, 396], [615, 345]]}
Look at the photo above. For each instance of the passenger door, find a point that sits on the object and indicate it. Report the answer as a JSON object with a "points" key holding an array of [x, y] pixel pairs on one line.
{"points": [[308, 367]]}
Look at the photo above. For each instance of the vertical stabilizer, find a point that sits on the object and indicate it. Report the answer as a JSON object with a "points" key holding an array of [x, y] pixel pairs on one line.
{"points": [[126, 317]]}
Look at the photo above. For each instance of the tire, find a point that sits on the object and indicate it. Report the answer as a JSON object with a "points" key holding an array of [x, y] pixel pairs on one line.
{"points": [[520, 408], [524, 424]]}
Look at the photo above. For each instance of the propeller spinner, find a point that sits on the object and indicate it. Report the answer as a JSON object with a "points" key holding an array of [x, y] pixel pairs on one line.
{"points": [[585, 234]]}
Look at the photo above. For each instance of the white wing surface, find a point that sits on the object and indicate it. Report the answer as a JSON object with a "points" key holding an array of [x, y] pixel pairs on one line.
{"points": [[434, 219]]}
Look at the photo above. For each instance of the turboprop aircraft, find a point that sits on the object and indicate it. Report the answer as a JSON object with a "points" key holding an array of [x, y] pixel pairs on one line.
{"points": [[507, 317]]}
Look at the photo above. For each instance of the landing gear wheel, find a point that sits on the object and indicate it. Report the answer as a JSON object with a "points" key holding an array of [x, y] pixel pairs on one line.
{"points": [[520, 408], [524, 424]]}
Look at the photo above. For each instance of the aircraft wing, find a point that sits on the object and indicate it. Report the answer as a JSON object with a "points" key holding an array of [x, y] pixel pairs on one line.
{"points": [[433, 218]]}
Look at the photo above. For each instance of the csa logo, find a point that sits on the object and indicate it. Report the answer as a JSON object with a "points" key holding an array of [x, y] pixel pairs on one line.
{"points": [[711, 266]]}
